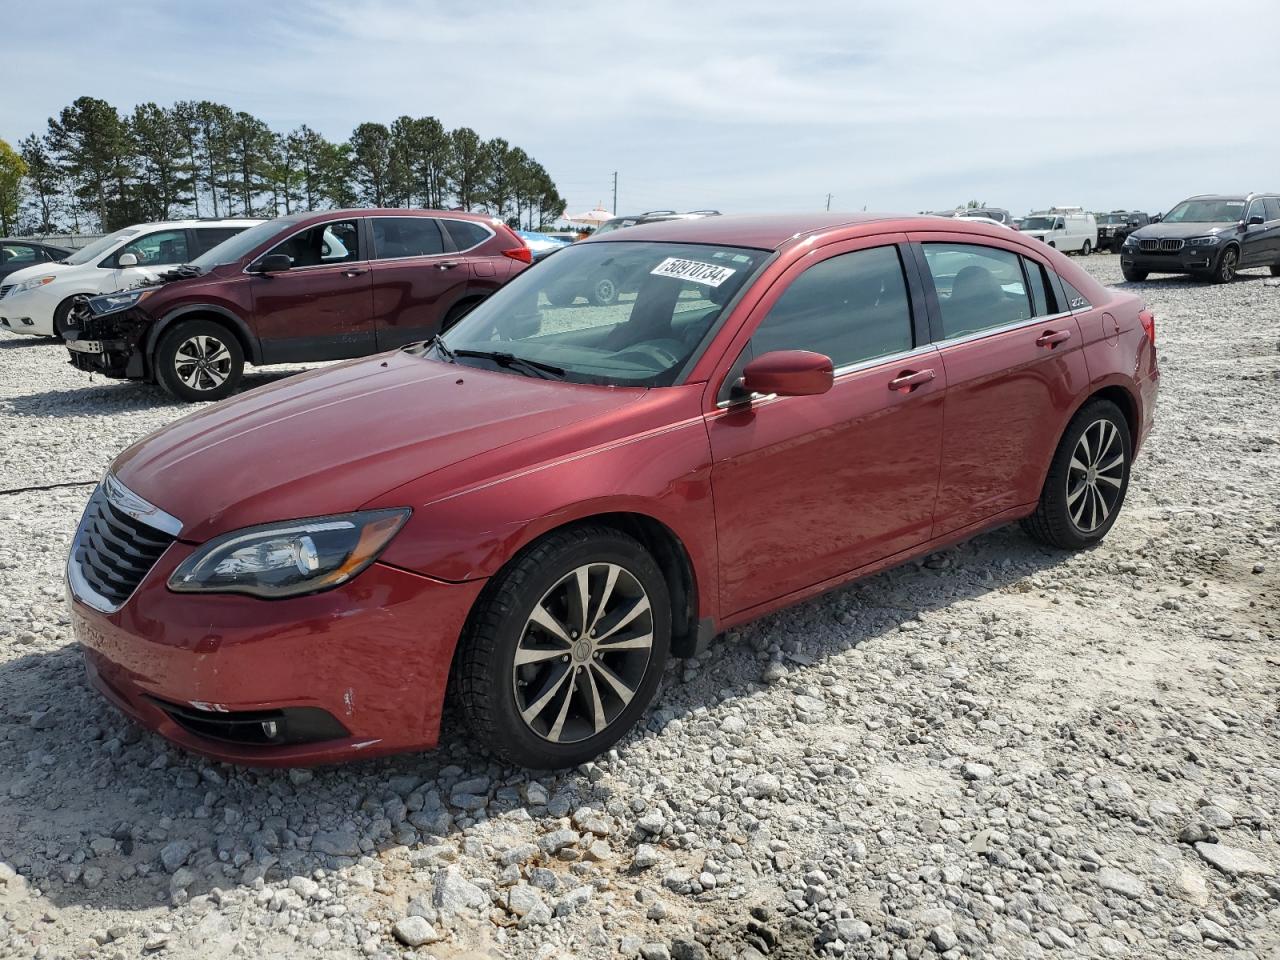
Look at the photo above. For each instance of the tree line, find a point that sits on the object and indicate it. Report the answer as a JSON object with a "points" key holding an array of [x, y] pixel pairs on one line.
{"points": [[98, 168]]}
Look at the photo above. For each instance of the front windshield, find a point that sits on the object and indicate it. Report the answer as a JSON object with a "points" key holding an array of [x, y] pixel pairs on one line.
{"points": [[1115, 218], [1206, 211], [620, 313], [100, 246], [235, 248], [1038, 223]]}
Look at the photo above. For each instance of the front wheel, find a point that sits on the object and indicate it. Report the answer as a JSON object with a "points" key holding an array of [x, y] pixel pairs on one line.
{"points": [[565, 648], [1225, 271], [62, 316], [199, 360], [1133, 275], [1087, 479], [1275, 269]]}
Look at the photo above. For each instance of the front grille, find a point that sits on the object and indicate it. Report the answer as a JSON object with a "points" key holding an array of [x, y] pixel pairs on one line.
{"points": [[113, 551], [1160, 246]]}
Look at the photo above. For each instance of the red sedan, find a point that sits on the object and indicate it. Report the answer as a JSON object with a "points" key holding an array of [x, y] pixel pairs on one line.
{"points": [[549, 501]]}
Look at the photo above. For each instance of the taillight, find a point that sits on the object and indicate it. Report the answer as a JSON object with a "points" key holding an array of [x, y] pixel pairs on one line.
{"points": [[521, 253], [1148, 321]]}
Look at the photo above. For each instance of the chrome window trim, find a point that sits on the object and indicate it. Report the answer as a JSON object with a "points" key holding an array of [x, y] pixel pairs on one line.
{"points": [[855, 367], [315, 266], [1003, 328], [479, 223], [129, 503]]}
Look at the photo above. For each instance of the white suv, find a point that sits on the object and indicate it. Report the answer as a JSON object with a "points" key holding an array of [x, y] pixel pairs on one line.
{"points": [[36, 300]]}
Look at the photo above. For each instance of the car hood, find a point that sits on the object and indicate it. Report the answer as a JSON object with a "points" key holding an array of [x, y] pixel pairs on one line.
{"points": [[39, 270], [1180, 231], [331, 440]]}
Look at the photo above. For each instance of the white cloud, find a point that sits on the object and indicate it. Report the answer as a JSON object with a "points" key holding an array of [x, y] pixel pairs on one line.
{"points": [[739, 105]]}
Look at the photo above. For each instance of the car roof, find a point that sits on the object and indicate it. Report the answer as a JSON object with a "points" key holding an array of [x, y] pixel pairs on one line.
{"points": [[197, 222], [1232, 196], [763, 231]]}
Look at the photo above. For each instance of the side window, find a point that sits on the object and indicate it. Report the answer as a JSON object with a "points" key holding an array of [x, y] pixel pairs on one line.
{"points": [[1075, 299], [466, 233], [323, 244], [13, 254], [395, 237], [1043, 301], [1273, 208], [978, 287], [852, 307], [1257, 209], [209, 237], [157, 249]]}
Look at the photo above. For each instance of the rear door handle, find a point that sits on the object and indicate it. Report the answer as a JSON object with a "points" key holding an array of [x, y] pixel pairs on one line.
{"points": [[908, 380], [449, 264], [1051, 338], [353, 272]]}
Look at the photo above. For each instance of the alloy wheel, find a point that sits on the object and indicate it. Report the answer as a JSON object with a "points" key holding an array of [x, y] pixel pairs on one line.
{"points": [[1095, 476], [583, 653], [1227, 267], [202, 362], [606, 290]]}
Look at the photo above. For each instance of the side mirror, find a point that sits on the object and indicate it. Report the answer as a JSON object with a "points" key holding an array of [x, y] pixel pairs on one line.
{"points": [[1256, 220], [789, 373], [127, 260], [1157, 218], [273, 263]]}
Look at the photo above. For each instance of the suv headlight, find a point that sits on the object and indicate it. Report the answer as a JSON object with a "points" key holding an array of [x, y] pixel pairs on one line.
{"points": [[288, 559], [34, 283], [1204, 241], [1131, 241], [115, 302]]}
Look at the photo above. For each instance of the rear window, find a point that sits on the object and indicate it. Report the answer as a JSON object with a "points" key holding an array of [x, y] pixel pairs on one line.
{"points": [[467, 233], [209, 237]]}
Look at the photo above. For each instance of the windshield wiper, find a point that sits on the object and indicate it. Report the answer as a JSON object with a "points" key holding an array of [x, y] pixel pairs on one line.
{"points": [[509, 360], [445, 353]]}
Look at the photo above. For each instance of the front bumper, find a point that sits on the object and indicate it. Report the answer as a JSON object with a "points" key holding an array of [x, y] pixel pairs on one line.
{"points": [[1197, 259], [373, 654], [27, 313], [111, 345]]}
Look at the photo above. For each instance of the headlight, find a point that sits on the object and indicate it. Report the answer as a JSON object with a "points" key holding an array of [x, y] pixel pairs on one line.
{"points": [[1204, 241], [115, 302], [287, 559], [33, 284], [1131, 241]]}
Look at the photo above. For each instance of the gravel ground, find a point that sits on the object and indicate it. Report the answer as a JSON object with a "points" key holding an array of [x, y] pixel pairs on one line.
{"points": [[1001, 751]]}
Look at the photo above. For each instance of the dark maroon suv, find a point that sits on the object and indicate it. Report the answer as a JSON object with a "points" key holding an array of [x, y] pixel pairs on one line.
{"points": [[312, 286]]}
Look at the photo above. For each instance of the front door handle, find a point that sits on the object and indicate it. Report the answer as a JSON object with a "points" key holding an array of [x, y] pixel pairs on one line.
{"points": [[908, 380], [353, 272], [1051, 338], [448, 264]]}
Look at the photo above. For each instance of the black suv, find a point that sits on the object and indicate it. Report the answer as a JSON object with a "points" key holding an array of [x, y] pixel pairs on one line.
{"points": [[1113, 227], [604, 288], [1210, 236]]}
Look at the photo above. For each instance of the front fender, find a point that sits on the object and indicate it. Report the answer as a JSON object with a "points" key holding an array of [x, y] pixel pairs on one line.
{"points": [[254, 346]]}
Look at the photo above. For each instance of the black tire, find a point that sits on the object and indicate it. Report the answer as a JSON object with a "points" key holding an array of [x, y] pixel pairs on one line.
{"points": [[1224, 271], [1086, 249], [1275, 269], [1132, 274], [603, 291], [561, 296], [456, 313], [1054, 521], [485, 671], [178, 364], [1052, 245], [61, 315]]}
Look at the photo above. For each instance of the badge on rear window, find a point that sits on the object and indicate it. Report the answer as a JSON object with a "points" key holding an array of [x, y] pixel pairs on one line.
{"points": [[695, 271]]}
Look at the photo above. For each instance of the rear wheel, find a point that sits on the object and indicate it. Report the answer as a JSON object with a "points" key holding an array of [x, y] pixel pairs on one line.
{"points": [[561, 296], [1086, 249], [1275, 269], [1225, 269], [1133, 275], [603, 291], [1087, 479], [199, 360], [456, 313], [565, 648]]}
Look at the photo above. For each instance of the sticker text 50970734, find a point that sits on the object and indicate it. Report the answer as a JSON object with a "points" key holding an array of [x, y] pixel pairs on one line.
{"points": [[695, 271]]}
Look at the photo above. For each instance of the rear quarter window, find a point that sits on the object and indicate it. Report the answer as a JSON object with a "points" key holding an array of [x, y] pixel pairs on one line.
{"points": [[1075, 299], [466, 233]]}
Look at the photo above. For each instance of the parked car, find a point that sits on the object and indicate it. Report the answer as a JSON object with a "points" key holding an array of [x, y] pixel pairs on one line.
{"points": [[17, 253], [38, 299], [544, 505], [1068, 229], [541, 244], [614, 279], [313, 286], [1210, 236], [1113, 227], [998, 214]]}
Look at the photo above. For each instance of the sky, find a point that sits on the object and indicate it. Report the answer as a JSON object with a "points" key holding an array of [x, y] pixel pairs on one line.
{"points": [[897, 105]]}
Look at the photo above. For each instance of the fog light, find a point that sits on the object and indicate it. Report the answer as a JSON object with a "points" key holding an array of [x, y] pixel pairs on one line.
{"points": [[269, 729]]}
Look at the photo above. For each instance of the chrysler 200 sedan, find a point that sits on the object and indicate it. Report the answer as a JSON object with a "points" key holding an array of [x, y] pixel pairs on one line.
{"points": [[538, 508]]}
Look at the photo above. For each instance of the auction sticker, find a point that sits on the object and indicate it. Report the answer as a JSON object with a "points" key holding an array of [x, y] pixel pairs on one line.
{"points": [[695, 271]]}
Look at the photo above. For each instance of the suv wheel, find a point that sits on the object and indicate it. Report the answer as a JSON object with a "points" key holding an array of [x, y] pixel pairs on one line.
{"points": [[199, 360], [1132, 274], [603, 292], [565, 649], [1275, 269], [1087, 479], [1225, 271]]}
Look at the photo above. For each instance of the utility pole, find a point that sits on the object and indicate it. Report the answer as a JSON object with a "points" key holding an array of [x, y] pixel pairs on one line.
{"points": [[829, 202], [615, 193]]}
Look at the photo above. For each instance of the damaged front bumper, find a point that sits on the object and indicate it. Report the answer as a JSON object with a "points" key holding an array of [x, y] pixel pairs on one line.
{"points": [[112, 345]]}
